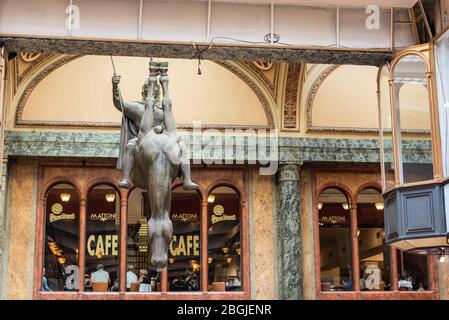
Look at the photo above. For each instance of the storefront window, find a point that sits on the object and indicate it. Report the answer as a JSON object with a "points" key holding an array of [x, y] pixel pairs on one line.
{"points": [[224, 240], [102, 239], [61, 272], [413, 113], [184, 252], [139, 276], [374, 255], [412, 272], [335, 241]]}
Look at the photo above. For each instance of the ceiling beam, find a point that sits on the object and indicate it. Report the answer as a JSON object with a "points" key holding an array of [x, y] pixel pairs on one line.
{"points": [[186, 50]]}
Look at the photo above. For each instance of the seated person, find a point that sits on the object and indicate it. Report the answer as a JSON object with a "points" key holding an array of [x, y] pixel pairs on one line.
{"points": [[100, 275], [144, 282], [131, 277]]}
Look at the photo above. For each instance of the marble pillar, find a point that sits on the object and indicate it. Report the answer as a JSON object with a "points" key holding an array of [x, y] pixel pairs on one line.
{"points": [[289, 233]]}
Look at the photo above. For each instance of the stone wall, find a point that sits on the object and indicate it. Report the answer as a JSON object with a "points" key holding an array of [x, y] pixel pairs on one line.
{"points": [[21, 211]]}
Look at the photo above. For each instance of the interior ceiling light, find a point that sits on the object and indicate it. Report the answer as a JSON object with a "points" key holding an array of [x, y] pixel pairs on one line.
{"points": [[379, 205], [110, 197], [65, 197]]}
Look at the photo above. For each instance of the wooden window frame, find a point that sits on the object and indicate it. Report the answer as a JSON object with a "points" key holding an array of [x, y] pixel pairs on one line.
{"points": [[47, 180], [356, 294]]}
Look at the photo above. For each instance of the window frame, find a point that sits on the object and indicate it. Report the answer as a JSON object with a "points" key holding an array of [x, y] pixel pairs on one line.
{"points": [[51, 174], [352, 194]]}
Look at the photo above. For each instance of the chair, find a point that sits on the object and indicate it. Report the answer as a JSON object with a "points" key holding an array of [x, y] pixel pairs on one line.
{"points": [[218, 286], [134, 287], [99, 286], [325, 286]]}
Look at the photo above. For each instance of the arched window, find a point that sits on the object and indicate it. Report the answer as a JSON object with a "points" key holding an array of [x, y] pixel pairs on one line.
{"points": [[137, 246], [335, 241], [374, 255], [184, 251], [102, 239], [412, 109], [224, 240], [62, 207]]}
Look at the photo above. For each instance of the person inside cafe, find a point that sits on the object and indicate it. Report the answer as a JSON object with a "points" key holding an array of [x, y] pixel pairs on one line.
{"points": [[144, 282], [100, 275], [131, 277]]}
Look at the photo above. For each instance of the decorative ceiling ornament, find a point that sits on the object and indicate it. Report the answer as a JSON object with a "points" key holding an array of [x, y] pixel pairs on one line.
{"points": [[263, 65], [29, 57]]}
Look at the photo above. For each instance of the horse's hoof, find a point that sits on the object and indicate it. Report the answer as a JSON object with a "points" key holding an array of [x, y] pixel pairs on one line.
{"points": [[124, 185], [190, 186]]}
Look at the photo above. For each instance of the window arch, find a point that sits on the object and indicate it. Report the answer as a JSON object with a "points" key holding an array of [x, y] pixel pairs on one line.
{"points": [[102, 238], [62, 208], [224, 239], [335, 240]]}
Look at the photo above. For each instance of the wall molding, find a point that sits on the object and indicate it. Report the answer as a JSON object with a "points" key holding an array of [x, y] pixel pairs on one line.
{"points": [[47, 69], [324, 129]]}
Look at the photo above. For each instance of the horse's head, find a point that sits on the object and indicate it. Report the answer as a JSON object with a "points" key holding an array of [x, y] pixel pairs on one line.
{"points": [[160, 235]]}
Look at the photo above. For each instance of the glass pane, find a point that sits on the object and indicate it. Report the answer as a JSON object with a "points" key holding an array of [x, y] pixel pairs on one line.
{"points": [[335, 241], [412, 109], [102, 239], [224, 246], [140, 276], [184, 251], [442, 80], [412, 272], [374, 255], [61, 272], [386, 131]]}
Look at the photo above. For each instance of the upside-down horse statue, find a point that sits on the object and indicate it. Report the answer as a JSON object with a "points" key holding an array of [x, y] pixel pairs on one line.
{"points": [[152, 155]]}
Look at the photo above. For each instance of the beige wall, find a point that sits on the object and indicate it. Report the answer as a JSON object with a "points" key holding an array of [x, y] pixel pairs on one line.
{"points": [[263, 273], [81, 91], [347, 98], [22, 223]]}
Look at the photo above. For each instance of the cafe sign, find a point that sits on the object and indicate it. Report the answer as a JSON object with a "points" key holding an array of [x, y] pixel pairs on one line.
{"points": [[219, 215], [57, 214]]}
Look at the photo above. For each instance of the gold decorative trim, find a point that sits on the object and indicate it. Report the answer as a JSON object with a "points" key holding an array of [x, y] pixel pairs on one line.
{"points": [[30, 87], [253, 85], [312, 94], [311, 97], [292, 96], [65, 59], [31, 65], [270, 85]]}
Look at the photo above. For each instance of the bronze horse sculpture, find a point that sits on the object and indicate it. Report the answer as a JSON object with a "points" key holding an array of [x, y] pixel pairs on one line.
{"points": [[155, 158]]}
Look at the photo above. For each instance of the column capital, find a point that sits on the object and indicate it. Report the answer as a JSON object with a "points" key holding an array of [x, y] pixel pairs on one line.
{"points": [[289, 172]]}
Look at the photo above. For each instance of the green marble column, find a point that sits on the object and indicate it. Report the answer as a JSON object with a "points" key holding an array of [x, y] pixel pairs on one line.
{"points": [[289, 233]]}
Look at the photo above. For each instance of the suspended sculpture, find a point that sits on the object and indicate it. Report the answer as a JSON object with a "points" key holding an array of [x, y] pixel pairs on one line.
{"points": [[152, 155]]}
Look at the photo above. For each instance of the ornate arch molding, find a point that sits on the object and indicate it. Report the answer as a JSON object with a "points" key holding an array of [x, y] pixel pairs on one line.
{"points": [[47, 67], [309, 108]]}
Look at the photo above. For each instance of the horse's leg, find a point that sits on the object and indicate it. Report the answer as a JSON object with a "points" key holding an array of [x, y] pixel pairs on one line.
{"points": [[146, 123], [169, 118], [160, 229]]}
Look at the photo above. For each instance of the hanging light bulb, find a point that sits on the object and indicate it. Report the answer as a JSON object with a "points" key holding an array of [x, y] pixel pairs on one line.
{"points": [[65, 197], [345, 206], [379, 205], [320, 205], [209, 260], [211, 198], [171, 260], [110, 197]]}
